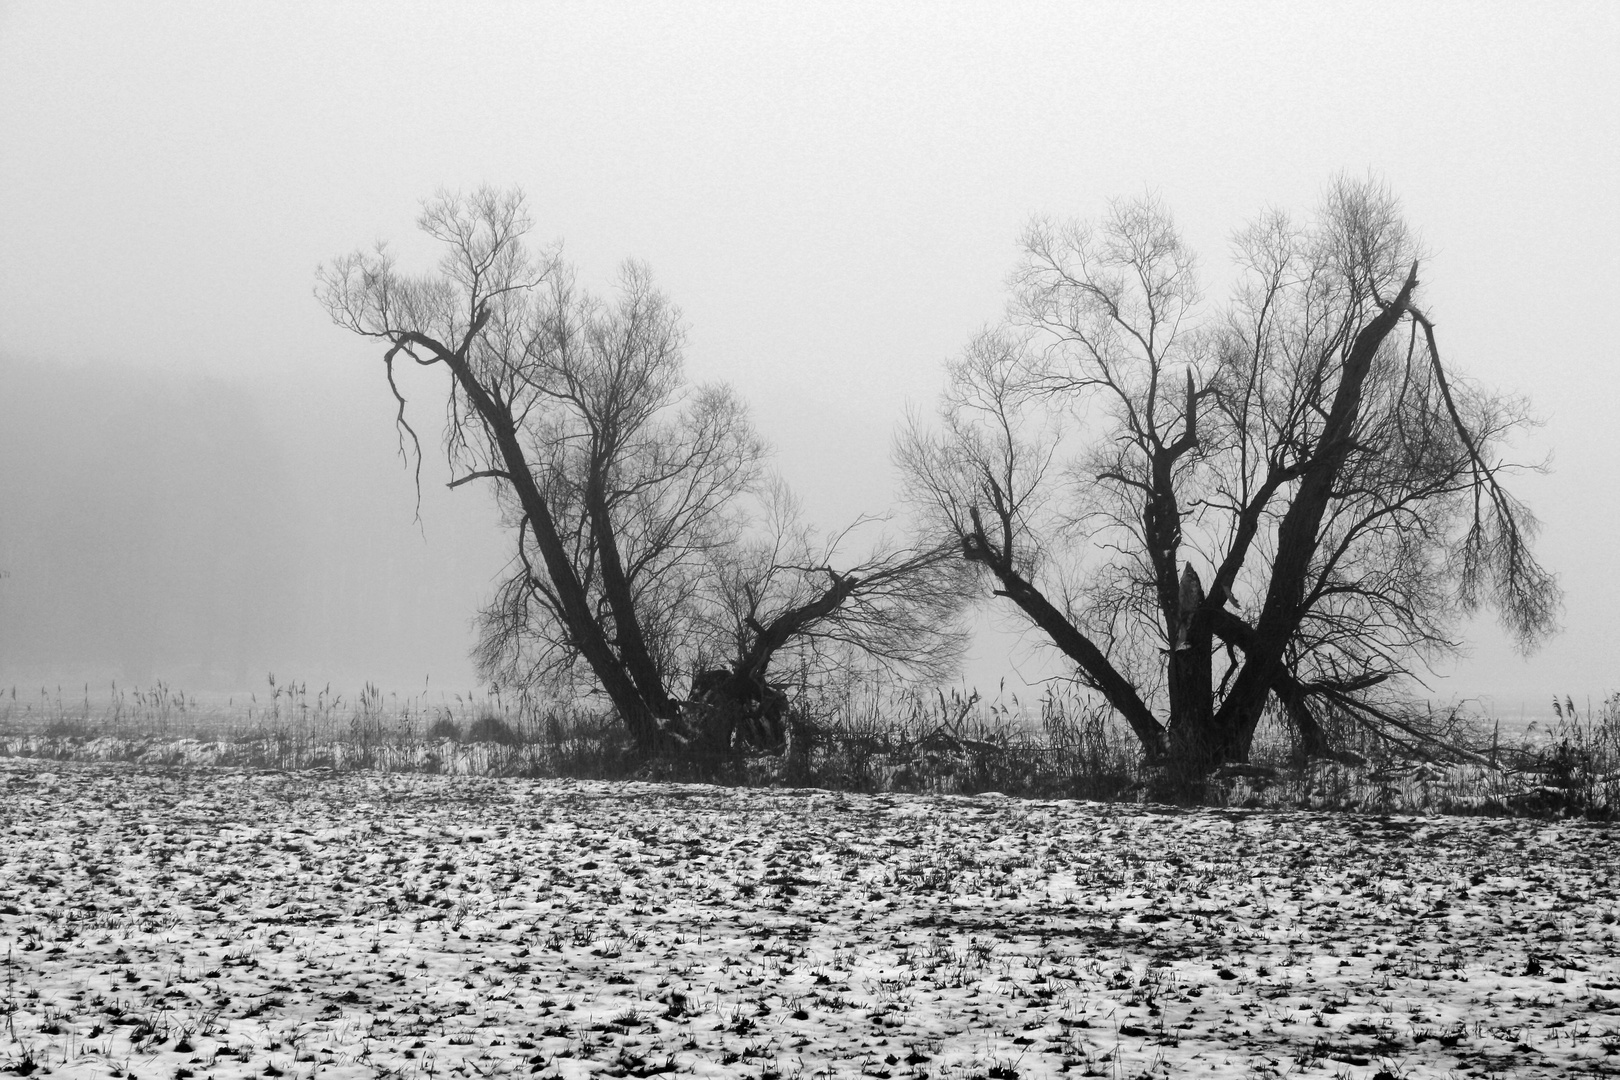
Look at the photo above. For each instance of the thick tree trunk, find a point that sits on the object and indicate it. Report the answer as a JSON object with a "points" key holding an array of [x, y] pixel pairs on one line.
{"points": [[1299, 534], [732, 707], [634, 656], [640, 716], [1101, 674], [1196, 746]]}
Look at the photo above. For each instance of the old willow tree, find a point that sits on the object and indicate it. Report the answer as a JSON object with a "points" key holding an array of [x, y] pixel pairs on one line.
{"points": [[625, 487], [1284, 502]]}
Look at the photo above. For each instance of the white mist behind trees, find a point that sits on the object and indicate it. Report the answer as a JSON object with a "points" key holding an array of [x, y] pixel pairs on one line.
{"points": [[161, 525], [831, 193]]}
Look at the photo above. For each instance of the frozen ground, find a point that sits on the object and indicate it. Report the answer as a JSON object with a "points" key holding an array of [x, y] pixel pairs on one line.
{"points": [[220, 923]]}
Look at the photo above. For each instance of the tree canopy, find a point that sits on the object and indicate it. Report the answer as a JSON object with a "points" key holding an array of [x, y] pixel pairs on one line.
{"points": [[631, 494], [1292, 481]]}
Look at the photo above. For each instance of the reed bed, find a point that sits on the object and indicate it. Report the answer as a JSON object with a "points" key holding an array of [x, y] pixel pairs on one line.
{"points": [[939, 742]]}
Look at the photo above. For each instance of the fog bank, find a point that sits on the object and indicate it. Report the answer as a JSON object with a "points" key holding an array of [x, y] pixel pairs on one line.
{"points": [[177, 527]]}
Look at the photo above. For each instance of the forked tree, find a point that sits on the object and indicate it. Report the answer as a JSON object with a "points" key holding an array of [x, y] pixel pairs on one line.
{"points": [[625, 488], [1285, 501]]}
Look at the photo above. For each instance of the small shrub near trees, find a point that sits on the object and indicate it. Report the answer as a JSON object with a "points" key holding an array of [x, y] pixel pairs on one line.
{"points": [[490, 728], [444, 728]]}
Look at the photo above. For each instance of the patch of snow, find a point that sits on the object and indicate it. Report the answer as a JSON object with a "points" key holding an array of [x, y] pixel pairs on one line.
{"points": [[216, 924]]}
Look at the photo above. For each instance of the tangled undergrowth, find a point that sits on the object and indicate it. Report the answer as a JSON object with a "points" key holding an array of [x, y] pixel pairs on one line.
{"points": [[945, 743]]}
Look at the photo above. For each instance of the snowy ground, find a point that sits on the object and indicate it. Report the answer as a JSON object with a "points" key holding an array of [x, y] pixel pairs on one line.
{"points": [[220, 923]]}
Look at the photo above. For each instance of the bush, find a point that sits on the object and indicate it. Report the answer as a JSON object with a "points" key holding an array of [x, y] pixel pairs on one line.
{"points": [[489, 728], [445, 728]]}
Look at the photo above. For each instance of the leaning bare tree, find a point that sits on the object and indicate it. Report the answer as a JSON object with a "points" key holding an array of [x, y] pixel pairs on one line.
{"points": [[1293, 489], [623, 485]]}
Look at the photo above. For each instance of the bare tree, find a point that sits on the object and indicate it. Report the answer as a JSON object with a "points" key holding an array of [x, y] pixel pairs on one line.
{"points": [[790, 605], [615, 476], [624, 487], [1304, 447]]}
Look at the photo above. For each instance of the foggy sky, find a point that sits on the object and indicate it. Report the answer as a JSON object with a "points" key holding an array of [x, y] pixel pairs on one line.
{"points": [[830, 192]]}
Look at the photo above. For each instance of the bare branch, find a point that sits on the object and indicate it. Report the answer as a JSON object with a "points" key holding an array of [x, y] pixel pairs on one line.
{"points": [[481, 474]]}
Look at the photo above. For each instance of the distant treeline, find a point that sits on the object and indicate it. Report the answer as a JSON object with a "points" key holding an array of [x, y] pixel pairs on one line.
{"points": [[137, 525], [202, 531]]}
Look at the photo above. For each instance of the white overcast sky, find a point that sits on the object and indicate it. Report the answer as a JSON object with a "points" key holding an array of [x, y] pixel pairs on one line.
{"points": [[830, 192]]}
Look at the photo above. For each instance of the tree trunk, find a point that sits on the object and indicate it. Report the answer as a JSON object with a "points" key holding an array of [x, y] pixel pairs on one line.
{"points": [[634, 657], [732, 706], [1092, 662], [639, 715], [1299, 533], [1195, 745]]}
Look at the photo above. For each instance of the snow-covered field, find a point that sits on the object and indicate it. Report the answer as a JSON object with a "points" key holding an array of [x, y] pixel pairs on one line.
{"points": [[226, 923]]}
